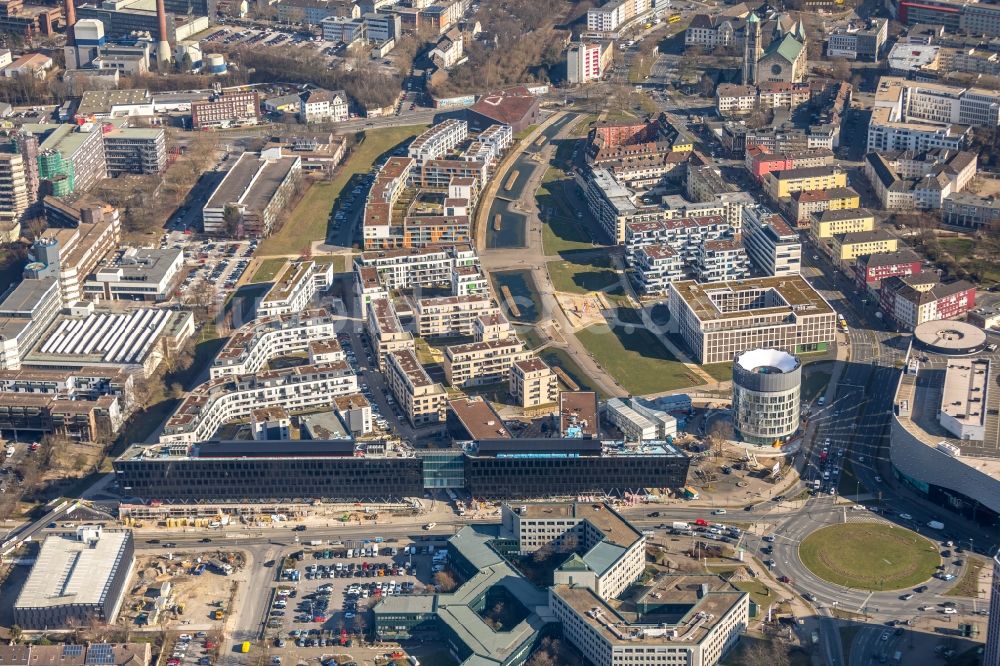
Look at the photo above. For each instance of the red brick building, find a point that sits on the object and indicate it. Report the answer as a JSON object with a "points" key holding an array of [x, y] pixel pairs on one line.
{"points": [[227, 109], [871, 269]]}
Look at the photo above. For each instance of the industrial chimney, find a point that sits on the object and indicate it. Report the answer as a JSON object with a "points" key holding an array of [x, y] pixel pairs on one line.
{"points": [[70, 22], [163, 48]]}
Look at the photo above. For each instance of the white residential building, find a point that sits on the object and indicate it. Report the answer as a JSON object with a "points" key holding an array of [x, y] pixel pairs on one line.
{"points": [[248, 350], [294, 286]]}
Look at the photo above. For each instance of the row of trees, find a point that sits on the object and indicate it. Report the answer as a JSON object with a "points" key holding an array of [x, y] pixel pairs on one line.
{"points": [[368, 84], [524, 46]]}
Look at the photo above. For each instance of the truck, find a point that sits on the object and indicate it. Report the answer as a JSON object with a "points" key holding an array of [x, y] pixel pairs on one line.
{"points": [[245, 647], [314, 542], [679, 525], [935, 525]]}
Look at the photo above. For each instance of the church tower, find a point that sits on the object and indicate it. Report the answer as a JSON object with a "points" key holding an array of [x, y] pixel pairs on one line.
{"points": [[751, 50]]}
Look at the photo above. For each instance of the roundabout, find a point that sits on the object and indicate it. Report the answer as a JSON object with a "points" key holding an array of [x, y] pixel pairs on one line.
{"points": [[869, 556]]}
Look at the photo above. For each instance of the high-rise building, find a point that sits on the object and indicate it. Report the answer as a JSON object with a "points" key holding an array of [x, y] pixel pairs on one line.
{"points": [[14, 195]]}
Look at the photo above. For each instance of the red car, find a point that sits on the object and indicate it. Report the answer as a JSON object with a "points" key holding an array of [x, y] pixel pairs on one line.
{"points": [[319, 618]]}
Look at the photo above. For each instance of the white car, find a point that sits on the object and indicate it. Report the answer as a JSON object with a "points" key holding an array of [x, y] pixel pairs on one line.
{"points": [[906, 516], [950, 611]]}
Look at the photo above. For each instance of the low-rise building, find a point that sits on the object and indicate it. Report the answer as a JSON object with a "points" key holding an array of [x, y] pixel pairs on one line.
{"points": [[578, 415], [136, 274], [253, 195], [228, 109], [319, 106], [858, 40], [832, 223], [970, 211], [808, 205], [77, 577]]}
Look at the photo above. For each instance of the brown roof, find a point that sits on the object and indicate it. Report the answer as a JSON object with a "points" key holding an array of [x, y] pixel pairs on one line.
{"points": [[507, 106]]}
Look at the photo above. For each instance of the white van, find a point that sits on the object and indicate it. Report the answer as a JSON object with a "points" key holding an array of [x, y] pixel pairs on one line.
{"points": [[350, 552]]}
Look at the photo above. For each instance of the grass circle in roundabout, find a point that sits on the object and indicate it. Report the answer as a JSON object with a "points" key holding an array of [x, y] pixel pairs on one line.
{"points": [[869, 556]]}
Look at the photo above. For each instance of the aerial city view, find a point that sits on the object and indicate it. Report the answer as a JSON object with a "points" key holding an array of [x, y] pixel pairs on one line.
{"points": [[499, 332]]}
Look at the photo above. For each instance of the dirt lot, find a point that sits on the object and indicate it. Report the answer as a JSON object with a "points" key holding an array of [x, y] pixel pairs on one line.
{"points": [[189, 599]]}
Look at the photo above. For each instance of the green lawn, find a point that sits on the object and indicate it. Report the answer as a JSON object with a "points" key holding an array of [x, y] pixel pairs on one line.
{"points": [[968, 584], [267, 269], [563, 229], [557, 357], [584, 275], [957, 245], [722, 372], [309, 220], [339, 261], [636, 359], [759, 593], [868, 556]]}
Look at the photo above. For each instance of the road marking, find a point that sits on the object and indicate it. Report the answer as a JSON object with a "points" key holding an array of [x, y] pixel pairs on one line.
{"points": [[865, 602]]}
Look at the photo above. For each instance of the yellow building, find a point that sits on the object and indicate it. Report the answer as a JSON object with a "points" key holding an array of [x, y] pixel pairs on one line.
{"points": [[807, 204], [782, 184], [847, 247], [836, 222]]}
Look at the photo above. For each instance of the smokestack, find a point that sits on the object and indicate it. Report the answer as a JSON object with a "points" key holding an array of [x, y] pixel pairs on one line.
{"points": [[163, 48], [70, 22]]}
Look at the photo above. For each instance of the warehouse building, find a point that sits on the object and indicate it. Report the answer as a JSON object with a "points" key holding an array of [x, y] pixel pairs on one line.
{"points": [[77, 579]]}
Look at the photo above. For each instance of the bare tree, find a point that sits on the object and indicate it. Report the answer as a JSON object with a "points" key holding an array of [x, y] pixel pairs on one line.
{"points": [[444, 581]]}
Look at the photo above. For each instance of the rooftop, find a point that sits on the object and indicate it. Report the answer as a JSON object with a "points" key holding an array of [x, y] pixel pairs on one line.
{"points": [[479, 418], [75, 569], [790, 293]]}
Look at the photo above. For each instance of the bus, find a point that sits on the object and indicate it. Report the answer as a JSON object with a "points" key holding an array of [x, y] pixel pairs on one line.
{"points": [[674, 18]]}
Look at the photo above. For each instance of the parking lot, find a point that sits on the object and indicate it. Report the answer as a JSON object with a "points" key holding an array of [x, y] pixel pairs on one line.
{"points": [[322, 603], [199, 649]]}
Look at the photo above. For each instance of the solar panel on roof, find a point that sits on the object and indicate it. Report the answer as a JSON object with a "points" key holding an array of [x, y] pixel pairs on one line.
{"points": [[102, 653], [72, 650]]}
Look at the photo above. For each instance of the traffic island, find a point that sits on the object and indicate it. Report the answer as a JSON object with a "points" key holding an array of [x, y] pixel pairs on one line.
{"points": [[869, 556]]}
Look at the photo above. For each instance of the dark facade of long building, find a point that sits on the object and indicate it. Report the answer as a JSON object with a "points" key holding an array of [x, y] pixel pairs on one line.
{"points": [[511, 469]]}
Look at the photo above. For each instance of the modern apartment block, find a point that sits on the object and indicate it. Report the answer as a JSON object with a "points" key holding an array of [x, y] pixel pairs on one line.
{"points": [[423, 401], [253, 195], [452, 315], [719, 320], [656, 266], [225, 399], [408, 268], [249, 349], [15, 198], [385, 333], [483, 362], [226, 110], [438, 141], [293, 288], [532, 384], [773, 247], [722, 259]]}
